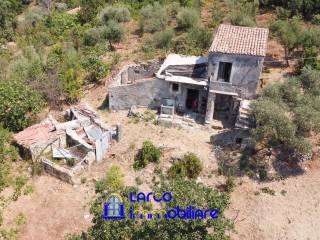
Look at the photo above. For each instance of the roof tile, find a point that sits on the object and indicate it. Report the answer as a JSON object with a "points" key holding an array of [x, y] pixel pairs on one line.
{"points": [[240, 40]]}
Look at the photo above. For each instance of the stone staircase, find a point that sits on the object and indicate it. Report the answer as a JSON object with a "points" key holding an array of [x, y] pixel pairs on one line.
{"points": [[244, 119]]}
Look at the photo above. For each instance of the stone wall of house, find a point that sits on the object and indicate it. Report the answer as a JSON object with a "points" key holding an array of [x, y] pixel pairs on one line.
{"points": [[147, 93], [57, 171], [245, 72], [133, 72]]}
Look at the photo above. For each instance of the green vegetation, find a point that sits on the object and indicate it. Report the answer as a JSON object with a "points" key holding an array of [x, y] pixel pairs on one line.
{"points": [[243, 12], [183, 193], [268, 190], [307, 8], [153, 18], [118, 14], [7, 154], [113, 32], [187, 18], [287, 113], [21, 219], [163, 39], [190, 166], [148, 153], [113, 180]]}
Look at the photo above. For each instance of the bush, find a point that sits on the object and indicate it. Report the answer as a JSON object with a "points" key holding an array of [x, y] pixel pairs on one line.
{"points": [[61, 23], [316, 19], [230, 183], [71, 162], [91, 37], [243, 12], [153, 18], [193, 165], [163, 39], [240, 19], [200, 37], [310, 79], [18, 105], [148, 153], [112, 181], [95, 67], [263, 174], [36, 168], [190, 166], [7, 154], [118, 14], [187, 18]]}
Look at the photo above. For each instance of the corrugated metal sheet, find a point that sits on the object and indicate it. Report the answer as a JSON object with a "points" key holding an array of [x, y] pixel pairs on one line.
{"points": [[61, 153]]}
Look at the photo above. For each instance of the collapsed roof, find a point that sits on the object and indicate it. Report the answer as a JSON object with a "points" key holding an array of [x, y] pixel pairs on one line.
{"points": [[184, 69]]}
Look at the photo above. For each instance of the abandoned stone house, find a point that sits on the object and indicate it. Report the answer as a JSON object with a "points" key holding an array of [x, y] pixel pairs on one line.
{"points": [[67, 149], [216, 86]]}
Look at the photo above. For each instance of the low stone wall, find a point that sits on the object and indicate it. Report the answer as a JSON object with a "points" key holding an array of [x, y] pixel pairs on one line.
{"points": [[57, 171]]}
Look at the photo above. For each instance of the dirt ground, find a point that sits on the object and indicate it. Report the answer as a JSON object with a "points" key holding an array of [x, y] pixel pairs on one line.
{"points": [[56, 208], [292, 215]]}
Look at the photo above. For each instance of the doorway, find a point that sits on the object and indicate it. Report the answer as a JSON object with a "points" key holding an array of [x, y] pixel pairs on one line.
{"points": [[192, 101]]}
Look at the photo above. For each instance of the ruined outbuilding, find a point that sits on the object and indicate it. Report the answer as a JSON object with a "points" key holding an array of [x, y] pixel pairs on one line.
{"points": [[66, 149], [199, 88]]}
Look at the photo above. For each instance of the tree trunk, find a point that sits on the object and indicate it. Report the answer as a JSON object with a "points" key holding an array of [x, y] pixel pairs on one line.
{"points": [[286, 56]]}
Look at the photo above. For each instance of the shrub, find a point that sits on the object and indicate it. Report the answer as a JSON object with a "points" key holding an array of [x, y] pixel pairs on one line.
{"points": [[230, 183], [263, 174], [316, 19], [89, 9], [200, 37], [112, 181], [113, 32], [268, 190], [91, 37], [118, 14], [153, 18], [21, 219], [310, 79], [95, 67], [240, 19], [71, 162], [177, 170], [19, 104], [148, 153], [187, 18], [7, 154], [310, 58], [173, 9], [217, 15], [243, 12], [193, 165], [163, 39], [36, 168], [61, 23], [190, 166], [138, 180], [19, 183]]}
